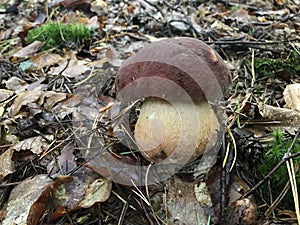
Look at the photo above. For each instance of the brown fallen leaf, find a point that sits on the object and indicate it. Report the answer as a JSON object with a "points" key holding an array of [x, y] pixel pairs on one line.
{"points": [[81, 190], [37, 145], [23, 99], [183, 206], [27, 51], [71, 66], [21, 203], [244, 212], [5, 94], [44, 59], [291, 96], [7, 166], [16, 84]]}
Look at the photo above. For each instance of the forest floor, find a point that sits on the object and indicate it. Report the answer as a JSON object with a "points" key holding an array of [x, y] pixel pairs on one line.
{"points": [[68, 157]]}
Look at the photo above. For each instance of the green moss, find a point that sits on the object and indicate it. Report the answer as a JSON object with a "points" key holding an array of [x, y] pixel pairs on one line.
{"points": [[58, 35], [234, 8], [275, 152], [269, 67]]}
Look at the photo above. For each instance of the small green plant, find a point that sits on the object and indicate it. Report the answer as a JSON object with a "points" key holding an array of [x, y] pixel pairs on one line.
{"points": [[276, 151], [58, 34], [269, 67], [234, 8]]}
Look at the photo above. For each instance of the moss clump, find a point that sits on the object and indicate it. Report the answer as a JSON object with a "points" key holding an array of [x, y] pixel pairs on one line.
{"points": [[269, 67], [276, 151], [58, 35]]}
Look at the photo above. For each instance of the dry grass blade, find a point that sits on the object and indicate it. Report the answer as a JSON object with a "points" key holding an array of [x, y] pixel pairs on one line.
{"points": [[291, 172]]}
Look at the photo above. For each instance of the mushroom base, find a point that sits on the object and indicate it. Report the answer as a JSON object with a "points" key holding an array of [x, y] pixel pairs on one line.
{"points": [[176, 132]]}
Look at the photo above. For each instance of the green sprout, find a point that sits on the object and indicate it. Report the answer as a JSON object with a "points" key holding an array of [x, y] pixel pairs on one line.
{"points": [[234, 8], [54, 34], [276, 151]]}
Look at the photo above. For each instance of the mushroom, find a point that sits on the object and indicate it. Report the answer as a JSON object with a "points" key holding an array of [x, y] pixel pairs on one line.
{"points": [[178, 78]]}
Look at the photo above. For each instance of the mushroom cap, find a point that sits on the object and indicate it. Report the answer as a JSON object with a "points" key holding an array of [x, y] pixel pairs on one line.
{"points": [[170, 67]]}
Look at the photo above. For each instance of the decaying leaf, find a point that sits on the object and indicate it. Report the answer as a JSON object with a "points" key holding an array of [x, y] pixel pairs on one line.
{"points": [[79, 191], [24, 99], [5, 94], [112, 57], [97, 191], [183, 207], [64, 163], [32, 197], [23, 201], [16, 84], [37, 100], [244, 213], [7, 136], [291, 96], [36, 144], [45, 59], [28, 51], [288, 118], [6, 164], [70, 67]]}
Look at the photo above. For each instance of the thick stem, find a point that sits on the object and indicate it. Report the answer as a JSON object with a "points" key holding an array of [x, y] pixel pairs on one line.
{"points": [[179, 132]]}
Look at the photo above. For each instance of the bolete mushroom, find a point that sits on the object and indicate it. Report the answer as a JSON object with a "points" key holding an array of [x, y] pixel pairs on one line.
{"points": [[179, 78]]}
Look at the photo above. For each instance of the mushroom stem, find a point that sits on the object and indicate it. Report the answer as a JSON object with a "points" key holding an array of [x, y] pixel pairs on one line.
{"points": [[179, 131]]}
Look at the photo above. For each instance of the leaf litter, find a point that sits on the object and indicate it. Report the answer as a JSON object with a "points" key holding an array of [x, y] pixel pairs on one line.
{"points": [[51, 99]]}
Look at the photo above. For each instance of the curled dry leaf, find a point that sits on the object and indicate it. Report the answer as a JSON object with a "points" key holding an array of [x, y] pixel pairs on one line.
{"points": [[16, 84], [36, 145], [28, 51], [6, 164], [182, 204], [23, 99], [79, 191], [5, 94], [70, 67], [244, 212], [38, 100], [28, 201], [291, 96]]}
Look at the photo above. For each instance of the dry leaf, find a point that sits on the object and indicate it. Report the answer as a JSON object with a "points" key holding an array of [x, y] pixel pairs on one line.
{"points": [[7, 166], [291, 96], [28, 51], [49, 98], [182, 204], [44, 59], [16, 84], [100, 7], [244, 212], [64, 163], [21, 207], [37, 145], [78, 191], [5, 94], [23, 99], [112, 56], [73, 68], [98, 191]]}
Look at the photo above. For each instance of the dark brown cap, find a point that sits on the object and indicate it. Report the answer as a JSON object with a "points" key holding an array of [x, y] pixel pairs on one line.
{"points": [[172, 68]]}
